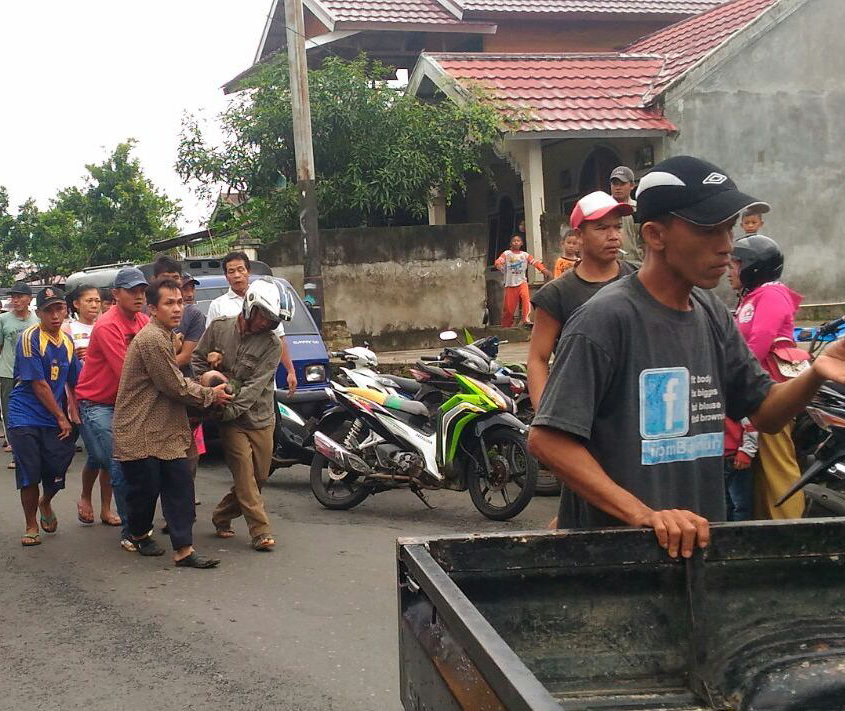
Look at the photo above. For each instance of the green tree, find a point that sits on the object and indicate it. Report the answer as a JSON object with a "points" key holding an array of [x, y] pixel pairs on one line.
{"points": [[379, 152], [112, 217]]}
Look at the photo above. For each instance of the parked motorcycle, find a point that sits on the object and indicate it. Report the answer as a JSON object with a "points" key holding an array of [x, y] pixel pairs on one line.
{"points": [[807, 436], [296, 418], [823, 482], [373, 442], [478, 359]]}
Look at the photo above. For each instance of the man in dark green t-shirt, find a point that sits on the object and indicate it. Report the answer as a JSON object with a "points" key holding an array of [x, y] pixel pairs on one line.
{"points": [[632, 417]]}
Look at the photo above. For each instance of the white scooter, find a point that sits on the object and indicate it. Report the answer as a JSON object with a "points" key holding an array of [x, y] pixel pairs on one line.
{"points": [[361, 372]]}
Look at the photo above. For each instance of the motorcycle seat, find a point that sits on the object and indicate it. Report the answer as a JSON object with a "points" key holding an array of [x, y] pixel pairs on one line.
{"points": [[409, 385], [392, 402]]}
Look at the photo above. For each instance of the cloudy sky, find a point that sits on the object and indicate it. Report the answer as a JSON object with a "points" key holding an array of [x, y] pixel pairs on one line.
{"points": [[79, 77]]}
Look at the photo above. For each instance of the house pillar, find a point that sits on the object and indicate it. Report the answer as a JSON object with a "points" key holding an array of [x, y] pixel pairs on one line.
{"points": [[528, 154], [436, 208]]}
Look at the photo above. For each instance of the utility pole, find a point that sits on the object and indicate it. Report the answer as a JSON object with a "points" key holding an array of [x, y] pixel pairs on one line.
{"points": [[305, 173]]}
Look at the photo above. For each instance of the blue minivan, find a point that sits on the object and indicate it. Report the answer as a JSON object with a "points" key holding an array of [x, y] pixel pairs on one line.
{"points": [[305, 344]]}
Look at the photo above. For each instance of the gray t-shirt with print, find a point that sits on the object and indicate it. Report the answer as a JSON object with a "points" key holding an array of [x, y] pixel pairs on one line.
{"points": [[11, 328], [647, 389]]}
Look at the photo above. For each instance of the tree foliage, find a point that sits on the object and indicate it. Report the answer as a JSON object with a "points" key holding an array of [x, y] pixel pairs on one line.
{"points": [[111, 218], [379, 152]]}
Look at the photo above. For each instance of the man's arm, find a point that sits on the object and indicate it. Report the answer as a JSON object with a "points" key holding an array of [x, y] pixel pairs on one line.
{"points": [[199, 357], [160, 364], [286, 361], [572, 463], [256, 385], [543, 337], [786, 400]]}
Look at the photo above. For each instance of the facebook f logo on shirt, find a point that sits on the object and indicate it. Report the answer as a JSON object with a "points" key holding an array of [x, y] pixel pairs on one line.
{"points": [[664, 402]]}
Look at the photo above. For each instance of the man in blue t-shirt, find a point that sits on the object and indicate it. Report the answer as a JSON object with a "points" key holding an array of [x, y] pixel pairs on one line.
{"points": [[42, 437]]}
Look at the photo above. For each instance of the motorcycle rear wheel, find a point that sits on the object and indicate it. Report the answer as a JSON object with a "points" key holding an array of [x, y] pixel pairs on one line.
{"points": [[512, 480], [336, 494]]}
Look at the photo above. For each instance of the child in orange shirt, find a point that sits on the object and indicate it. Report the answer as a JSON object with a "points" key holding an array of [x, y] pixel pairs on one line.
{"points": [[570, 245]]}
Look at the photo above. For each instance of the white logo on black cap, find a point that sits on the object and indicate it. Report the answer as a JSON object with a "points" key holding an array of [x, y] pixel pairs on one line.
{"points": [[714, 179]]}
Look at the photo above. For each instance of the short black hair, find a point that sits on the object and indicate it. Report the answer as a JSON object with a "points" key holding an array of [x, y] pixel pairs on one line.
{"points": [[153, 291], [166, 265], [570, 233], [106, 293], [234, 257]]}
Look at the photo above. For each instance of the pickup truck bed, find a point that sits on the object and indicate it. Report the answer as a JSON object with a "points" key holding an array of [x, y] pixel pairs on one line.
{"points": [[597, 620]]}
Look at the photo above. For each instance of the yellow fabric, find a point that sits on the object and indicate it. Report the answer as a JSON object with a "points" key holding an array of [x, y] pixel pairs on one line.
{"points": [[775, 470], [371, 395]]}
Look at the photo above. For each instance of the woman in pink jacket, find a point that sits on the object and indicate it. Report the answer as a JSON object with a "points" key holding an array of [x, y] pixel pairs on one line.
{"points": [[765, 317]]}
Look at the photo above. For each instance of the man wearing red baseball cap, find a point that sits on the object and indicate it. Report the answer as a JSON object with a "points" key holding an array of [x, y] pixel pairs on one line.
{"points": [[598, 220], [633, 415]]}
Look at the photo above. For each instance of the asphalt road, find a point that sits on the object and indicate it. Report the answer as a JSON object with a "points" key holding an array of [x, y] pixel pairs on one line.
{"points": [[84, 624]]}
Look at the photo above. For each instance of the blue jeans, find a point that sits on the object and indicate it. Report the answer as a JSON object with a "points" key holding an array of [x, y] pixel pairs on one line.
{"points": [[739, 492], [97, 435]]}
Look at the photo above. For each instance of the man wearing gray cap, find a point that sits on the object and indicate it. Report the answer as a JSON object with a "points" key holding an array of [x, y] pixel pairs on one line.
{"points": [[12, 324], [621, 187], [96, 390]]}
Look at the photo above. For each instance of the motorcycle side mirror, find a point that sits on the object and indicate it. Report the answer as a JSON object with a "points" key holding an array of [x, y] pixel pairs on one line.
{"points": [[448, 336]]}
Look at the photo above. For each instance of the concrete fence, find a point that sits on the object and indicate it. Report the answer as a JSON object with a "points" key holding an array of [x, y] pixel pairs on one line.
{"points": [[384, 280]]}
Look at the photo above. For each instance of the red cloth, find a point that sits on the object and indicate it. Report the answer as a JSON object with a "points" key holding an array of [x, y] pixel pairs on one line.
{"points": [[110, 340], [514, 296]]}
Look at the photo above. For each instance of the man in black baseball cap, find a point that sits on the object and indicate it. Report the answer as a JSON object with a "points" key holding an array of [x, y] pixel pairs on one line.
{"points": [[632, 418]]}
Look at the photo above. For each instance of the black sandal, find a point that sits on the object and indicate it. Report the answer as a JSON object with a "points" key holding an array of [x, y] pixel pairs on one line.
{"points": [[197, 561], [148, 546]]}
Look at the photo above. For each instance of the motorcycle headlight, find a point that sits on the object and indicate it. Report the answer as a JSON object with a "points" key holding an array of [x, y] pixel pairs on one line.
{"points": [[315, 373]]}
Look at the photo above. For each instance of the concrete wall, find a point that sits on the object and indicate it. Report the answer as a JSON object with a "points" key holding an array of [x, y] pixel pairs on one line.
{"points": [[773, 116], [394, 279]]}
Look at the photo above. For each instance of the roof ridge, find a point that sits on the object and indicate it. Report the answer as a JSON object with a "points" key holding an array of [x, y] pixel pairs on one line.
{"points": [[497, 56]]}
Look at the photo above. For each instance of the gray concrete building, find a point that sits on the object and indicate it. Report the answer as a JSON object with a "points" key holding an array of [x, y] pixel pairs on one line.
{"points": [[768, 106]]}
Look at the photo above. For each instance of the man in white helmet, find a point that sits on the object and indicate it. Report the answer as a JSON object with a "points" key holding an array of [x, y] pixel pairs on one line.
{"points": [[245, 349]]}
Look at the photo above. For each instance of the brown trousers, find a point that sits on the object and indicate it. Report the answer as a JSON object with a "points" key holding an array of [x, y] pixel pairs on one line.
{"points": [[248, 454]]}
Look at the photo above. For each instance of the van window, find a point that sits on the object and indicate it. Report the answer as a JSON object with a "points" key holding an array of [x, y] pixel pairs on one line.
{"points": [[300, 325]]}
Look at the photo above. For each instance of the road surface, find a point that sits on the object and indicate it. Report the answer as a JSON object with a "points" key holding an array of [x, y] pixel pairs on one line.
{"points": [[84, 624]]}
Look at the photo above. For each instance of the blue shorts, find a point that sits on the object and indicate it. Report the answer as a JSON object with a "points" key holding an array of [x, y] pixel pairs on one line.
{"points": [[40, 456]]}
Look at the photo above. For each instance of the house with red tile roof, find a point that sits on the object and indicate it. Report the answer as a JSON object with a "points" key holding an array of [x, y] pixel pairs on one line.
{"points": [[724, 84], [397, 31]]}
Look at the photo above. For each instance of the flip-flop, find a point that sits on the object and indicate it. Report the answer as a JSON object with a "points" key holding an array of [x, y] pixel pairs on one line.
{"points": [[30, 539], [264, 543], [197, 561], [128, 545], [116, 521], [224, 533], [49, 524], [11, 465], [83, 519]]}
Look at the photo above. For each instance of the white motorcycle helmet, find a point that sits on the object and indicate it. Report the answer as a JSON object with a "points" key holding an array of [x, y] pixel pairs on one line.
{"points": [[286, 303], [263, 295]]}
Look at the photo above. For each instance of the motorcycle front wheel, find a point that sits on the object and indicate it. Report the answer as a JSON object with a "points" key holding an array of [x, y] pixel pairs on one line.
{"points": [[335, 489], [504, 490]]}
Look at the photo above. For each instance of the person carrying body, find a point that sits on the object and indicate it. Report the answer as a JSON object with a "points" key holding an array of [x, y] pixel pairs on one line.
{"points": [[245, 350], [151, 431], [633, 415]]}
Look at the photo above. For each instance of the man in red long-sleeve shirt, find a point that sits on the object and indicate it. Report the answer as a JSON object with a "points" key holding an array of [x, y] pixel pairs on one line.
{"points": [[96, 390]]}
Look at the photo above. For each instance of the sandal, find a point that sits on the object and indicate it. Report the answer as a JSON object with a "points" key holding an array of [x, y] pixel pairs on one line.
{"points": [[30, 539], [148, 546], [224, 533], [86, 519], [11, 465], [114, 520], [49, 524], [264, 543], [197, 561], [128, 545]]}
